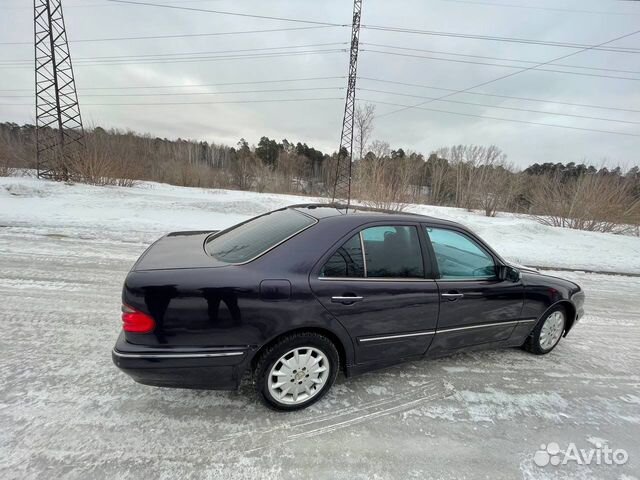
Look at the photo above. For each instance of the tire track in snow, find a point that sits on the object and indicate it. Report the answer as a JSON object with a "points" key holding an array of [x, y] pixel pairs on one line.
{"points": [[396, 404]]}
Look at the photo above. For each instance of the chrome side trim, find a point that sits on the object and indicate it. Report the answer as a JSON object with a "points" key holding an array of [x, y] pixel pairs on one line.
{"points": [[446, 330], [470, 279], [389, 337], [372, 279], [176, 355], [514, 322]]}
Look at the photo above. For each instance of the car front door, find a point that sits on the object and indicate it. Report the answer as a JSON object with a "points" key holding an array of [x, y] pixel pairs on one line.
{"points": [[378, 285], [476, 306]]}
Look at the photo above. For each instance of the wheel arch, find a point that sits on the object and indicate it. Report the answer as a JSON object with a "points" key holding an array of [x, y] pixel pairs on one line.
{"points": [[335, 339], [570, 310]]}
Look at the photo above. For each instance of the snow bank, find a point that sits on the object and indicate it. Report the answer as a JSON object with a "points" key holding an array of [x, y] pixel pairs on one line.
{"points": [[142, 213]]}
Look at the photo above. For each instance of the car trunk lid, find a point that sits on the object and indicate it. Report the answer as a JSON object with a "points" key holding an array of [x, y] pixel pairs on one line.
{"points": [[177, 250]]}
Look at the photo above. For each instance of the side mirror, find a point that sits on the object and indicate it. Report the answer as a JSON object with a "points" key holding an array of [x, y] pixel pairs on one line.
{"points": [[507, 272]]}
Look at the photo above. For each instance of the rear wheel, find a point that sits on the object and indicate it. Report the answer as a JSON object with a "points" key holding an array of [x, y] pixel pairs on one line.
{"points": [[296, 371], [548, 332]]}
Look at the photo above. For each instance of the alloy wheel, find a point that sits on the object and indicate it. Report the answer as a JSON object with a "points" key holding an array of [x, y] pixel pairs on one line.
{"points": [[298, 375], [552, 330]]}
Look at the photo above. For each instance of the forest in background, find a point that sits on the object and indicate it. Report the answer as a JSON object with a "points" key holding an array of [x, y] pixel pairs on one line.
{"points": [[474, 177]]}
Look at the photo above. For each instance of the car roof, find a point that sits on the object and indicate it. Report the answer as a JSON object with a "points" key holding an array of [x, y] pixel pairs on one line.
{"points": [[338, 211]]}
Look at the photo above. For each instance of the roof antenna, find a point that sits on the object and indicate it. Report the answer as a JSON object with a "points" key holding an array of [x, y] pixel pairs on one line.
{"points": [[342, 183]]}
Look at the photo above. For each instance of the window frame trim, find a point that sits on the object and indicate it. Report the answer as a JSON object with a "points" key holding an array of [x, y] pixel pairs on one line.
{"points": [[364, 256], [497, 261]]}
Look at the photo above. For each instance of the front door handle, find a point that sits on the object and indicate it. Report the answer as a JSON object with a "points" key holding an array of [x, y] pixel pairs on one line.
{"points": [[346, 300], [452, 296]]}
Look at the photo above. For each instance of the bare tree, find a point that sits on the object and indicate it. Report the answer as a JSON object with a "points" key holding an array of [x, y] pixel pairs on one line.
{"points": [[472, 167], [364, 117], [383, 181], [496, 188], [437, 168], [380, 149]]}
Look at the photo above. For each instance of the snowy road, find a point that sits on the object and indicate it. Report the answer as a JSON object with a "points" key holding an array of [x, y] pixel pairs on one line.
{"points": [[66, 411]]}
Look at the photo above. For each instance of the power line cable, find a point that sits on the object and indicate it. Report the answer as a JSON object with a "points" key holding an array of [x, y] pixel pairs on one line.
{"points": [[191, 60], [220, 12], [528, 99], [163, 58], [338, 88], [336, 77], [321, 24], [92, 5], [194, 85], [214, 58], [397, 47], [235, 14], [532, 7], [179, 35], [496, 58], [473, 62], [371, 27], [275, 100], [501, 119], [500, 39], [187, 54], [460, 102], [488, 82], [271, 90]]}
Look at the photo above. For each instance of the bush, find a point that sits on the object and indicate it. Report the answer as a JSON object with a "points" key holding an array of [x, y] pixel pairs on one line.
{"points": [[593, 202]]}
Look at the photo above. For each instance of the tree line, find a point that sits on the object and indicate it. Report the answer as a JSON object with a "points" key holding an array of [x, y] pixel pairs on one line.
{"points": [[473, 177]]}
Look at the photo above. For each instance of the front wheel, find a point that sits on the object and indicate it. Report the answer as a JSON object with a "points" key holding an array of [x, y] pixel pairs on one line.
{"points": [[548, 332], [296, 371]]}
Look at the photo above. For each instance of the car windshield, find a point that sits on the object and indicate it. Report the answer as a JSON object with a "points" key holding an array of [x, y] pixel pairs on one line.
{"points": [[253, 238]]}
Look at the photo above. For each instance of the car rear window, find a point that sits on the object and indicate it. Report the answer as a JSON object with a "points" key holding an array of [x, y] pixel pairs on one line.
{"points": [[253, 238]]}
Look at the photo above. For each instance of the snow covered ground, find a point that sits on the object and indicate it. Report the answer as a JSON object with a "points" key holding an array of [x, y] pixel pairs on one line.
{"points": [[143, 213], [67, 412]]}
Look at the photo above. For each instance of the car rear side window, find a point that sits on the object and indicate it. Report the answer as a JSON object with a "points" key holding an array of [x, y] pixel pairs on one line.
{"points": [[253, 238], [392, 252], [389, 252], [460, 257]]}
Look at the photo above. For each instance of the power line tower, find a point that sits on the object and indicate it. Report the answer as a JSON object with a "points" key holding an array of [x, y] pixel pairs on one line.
{"points": [[342, 184], [59, 131]]}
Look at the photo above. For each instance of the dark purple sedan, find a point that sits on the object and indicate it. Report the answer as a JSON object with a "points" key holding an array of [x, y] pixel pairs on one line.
{"points": [[298, 294]]}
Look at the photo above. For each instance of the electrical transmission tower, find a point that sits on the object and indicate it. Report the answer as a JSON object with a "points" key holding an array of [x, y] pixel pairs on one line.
{"points": [[342, 185], [59, 131]]}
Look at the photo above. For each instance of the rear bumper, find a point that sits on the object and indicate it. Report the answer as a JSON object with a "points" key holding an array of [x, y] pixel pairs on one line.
{"points": [[205, 368]]}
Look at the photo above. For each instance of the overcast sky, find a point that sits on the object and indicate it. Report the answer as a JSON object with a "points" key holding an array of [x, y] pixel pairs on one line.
{"points": [[317, 119]]}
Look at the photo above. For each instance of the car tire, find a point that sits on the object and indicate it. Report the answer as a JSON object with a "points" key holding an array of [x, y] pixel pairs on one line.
{"points": [[306, 365], [548, 332]]}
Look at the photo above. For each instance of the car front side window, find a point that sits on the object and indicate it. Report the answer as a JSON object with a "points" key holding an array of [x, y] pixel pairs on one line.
{"points": [[459, 257]]}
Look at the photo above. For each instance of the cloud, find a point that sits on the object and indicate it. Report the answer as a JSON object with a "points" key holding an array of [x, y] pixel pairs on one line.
{"points": [[318, 122]]}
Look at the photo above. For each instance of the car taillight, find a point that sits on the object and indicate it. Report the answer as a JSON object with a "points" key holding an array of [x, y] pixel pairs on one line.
{"points": [[134, 321]]}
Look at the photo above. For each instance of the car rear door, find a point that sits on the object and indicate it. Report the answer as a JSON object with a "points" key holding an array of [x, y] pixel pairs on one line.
{"points": [[377, 285], [476, 307]]}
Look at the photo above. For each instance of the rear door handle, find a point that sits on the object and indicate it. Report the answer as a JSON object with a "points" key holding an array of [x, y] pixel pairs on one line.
{"points": [[452, 296], [347, 299]]}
